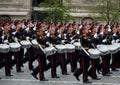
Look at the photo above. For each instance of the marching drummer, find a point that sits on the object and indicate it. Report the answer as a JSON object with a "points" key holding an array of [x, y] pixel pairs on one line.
{"points": [[114, 56], [8, 56], [30, 34], [62, 57], [118, 40], [1, 57], [84, 59], [70, 38], [94, 62], [106, 39], [53, 39], [42, 64], [19, 35]]}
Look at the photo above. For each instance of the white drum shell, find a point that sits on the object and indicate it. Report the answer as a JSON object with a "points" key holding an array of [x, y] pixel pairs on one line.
{"points": [[94, 53], [4, 48], [50, 51], [14, 47], [113, 48], [70, 48], [25, 44], [77, 45], [60, 48], [117, 45], [35, 43], [104, 50]]}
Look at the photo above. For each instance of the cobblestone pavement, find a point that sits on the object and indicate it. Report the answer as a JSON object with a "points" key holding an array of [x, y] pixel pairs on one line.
{"points": [[26, 78]]}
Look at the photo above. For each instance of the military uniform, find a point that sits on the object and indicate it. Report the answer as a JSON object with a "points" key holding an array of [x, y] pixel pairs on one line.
{"points": [[84, 58], [41, 58]]}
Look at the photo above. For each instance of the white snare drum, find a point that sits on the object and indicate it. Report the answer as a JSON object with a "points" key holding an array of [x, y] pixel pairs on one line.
{"points": [[70, 48], [50, 50], [118, 45], [4, 48], [14, 47], [35, 43], [77, 45], [103, 49], [60, 48], [94, 53], [113, 48], [25, 44]]}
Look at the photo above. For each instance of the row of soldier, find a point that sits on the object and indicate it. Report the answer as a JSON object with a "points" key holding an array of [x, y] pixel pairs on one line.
{"points": [[90, 35]]}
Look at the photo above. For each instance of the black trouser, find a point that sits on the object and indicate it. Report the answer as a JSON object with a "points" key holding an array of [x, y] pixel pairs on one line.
{"points": [[106, 64], [30, 57], [41, 67], [54, 63], [8, 63], [94, 66], [63, 63], [117, 57], [84, 65]]}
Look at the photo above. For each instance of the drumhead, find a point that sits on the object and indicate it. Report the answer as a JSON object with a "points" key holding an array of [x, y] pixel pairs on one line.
{"points": [[94, 51], [50, 50], [69, 46], [14, 45], [113, 48], [4, 46], [60, 46], [117, 45], [103, 49], [77, 44], [34, 42], [25, 42]]}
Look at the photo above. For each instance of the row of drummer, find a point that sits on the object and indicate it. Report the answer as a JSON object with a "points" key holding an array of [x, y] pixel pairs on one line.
{"points": [[47, 35]]}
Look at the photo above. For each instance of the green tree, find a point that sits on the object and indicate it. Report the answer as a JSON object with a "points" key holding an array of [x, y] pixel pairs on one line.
{"points": [[56, 10], [108, 10]]}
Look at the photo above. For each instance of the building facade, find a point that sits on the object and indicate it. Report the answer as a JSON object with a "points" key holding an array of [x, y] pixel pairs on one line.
{"points": [[28, 9]]}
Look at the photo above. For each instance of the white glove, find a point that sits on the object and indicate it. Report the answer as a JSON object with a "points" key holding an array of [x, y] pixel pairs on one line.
{"points": [[2, 28], [72, 41], [104, 40], [15, 39], [59, 35], [13, 33], [71, 38], [65, 36], [114, 34], [27, 38], [34, 28], [113, 41], [13, 26], [80, 27], [117, 40], [2, 37], [5, 41], [95, 36], [101, 33], [27, 29], [109, 30], [63, 41], [48, 34], [78, 40], [78, 32], [23, 26], [47, 43]]}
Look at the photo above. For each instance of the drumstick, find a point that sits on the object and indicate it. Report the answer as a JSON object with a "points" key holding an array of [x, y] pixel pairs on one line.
{"points": [[85, 51], [41, 48]]}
